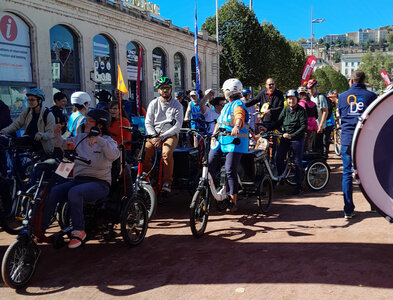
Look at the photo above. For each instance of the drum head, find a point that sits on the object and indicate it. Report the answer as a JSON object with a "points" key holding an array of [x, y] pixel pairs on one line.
{"points": [[372, 152]]}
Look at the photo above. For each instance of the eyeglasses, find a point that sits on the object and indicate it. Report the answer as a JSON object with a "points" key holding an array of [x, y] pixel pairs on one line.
{"points": [[271, 84], [30, 99]]}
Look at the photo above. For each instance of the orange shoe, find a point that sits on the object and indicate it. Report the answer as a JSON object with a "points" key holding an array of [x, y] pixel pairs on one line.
{"points": [[77, 238]]}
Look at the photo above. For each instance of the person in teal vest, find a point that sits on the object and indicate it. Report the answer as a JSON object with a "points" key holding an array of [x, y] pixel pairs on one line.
{"points": [[233, 118], [194, 112], [80, 101]]}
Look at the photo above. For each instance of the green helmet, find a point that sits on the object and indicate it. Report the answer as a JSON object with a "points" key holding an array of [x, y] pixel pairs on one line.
{"points": [[163, 81]]}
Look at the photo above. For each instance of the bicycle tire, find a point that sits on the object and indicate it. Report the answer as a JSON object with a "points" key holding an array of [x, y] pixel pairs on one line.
{"points": [[19, 264], [150, 199], [317, 175], [290, 178], [199, 212], [265, 194], [134, 221]]}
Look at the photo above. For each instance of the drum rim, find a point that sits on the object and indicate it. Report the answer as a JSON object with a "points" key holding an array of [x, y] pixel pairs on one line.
{"points": [[362, 120]]}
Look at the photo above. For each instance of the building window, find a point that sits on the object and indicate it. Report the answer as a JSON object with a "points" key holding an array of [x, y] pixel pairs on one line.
{"points": [[159, 64], [178, 80], [104, 63], [15, 61], [193, 72], [134, 56], [64, 60]]}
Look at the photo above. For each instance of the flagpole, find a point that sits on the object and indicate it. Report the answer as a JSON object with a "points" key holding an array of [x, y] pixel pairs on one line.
{"points": [[218, 50], [197, 73], [312, 34]]}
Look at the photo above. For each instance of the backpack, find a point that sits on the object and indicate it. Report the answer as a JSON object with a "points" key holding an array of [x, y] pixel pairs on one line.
{"points": [[330, 108]]}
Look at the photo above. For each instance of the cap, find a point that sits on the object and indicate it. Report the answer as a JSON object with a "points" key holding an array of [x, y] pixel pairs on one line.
{"points": [[193, 93]]}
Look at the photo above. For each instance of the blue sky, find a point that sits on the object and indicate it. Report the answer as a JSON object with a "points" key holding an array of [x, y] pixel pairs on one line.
{"points": [[292, 17]]}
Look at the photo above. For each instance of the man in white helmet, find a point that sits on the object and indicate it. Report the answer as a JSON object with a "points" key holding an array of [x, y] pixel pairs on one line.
{"points": [[234, 118], [81, 101]]}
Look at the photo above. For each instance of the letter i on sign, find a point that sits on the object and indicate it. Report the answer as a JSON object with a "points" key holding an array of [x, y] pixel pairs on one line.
{"points": [[8, 32]]}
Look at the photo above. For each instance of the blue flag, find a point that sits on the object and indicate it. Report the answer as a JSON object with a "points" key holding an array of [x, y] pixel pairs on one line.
{"points": [[197, 79]]}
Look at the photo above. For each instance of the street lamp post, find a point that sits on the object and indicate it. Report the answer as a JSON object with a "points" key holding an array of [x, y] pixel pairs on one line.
{"points": [[312, 22]]}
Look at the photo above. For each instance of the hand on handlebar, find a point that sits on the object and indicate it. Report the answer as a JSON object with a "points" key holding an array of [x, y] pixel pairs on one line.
{"points": [[287, 136], [235, 131]]}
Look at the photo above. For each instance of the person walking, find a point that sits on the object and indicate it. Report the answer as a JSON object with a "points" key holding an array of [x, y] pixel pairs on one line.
{"points": [[351, 105]]}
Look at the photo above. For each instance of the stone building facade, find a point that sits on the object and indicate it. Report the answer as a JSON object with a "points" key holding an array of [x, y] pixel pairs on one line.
{"points": [[77, 45]]}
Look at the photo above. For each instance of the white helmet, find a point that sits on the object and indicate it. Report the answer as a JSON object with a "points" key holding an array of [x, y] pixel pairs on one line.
{"points": [[233, 85], [80, 98]]}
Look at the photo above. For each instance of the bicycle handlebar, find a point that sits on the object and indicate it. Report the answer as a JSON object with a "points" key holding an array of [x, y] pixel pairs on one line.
{"points": [[71, 155]]}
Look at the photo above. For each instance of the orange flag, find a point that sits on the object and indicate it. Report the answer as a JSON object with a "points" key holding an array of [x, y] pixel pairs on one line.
{"points": [[120, 82]]}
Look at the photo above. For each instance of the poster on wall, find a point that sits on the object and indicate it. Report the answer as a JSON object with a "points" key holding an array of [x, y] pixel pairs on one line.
{"points": [[15, 54], [103, 71], [157, 67]]}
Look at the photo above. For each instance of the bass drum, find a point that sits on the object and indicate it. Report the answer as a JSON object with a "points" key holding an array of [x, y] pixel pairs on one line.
{"points": [[372, 150]]}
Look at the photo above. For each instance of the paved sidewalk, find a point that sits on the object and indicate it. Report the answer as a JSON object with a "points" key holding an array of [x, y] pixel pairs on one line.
{"points": [[304, 249]]}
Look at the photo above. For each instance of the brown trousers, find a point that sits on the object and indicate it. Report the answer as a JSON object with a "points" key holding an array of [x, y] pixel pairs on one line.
{"points": [[168, 147]]}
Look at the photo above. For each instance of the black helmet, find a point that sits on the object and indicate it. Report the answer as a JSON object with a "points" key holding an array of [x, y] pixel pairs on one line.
{"points": [[292, 93], [101, 116], [163, 81]]}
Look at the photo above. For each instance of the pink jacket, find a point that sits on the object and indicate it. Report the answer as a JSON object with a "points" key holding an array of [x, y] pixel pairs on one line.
{"points": [[311, 121]]}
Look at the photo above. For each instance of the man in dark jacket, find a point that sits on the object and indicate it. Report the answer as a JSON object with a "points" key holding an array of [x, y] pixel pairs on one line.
{"points": [[57, 110], [274, 97], [351, 105], [5, 120]]}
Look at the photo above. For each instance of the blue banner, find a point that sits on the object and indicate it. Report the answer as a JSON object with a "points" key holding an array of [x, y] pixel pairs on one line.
{"points": [[197, 79]]}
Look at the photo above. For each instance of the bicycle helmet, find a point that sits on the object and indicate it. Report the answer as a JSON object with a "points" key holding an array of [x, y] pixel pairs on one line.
{"points": [[233, 86], [163, 81], [301, 89], [101, 116], [246, 92], [292, 93], [80, 98], [311, 83], [37, 93]]}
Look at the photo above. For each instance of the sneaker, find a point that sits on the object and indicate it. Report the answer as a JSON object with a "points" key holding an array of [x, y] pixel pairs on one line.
{"points": [[77, 238], [166, 187], [349, 216]]}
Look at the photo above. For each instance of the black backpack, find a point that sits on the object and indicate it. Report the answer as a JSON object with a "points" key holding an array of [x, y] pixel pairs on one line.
{"points": [[45, 116]]}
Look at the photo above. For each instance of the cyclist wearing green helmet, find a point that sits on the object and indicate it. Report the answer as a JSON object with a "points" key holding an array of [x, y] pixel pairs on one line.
{"points": [[160, 112]]}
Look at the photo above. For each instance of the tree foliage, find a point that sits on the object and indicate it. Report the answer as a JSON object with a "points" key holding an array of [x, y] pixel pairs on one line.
{"points": [[252, 51], [330, 80], [371, 64]]}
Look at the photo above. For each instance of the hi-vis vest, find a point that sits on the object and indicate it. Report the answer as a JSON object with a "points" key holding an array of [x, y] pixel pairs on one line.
{"points": [[227, 120], [76, 119], [195, 114]]}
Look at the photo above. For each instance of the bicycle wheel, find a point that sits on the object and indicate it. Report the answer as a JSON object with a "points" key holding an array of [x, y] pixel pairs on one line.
{"points": [[317, 175], [19, 264], [265, 194], [199, 212], [134, 221], [290, 178], [337, 142], [150, 199]]}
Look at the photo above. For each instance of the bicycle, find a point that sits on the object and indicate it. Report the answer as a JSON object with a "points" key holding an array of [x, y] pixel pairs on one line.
{"points": [[260, 185], [316, 170], [22, 157], [119, 207]]}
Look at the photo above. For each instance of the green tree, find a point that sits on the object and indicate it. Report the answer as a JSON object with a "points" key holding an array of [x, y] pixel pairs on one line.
{"points": [[242, 43], [389, 40], [324, 85], [338, 82], [372, 63]]}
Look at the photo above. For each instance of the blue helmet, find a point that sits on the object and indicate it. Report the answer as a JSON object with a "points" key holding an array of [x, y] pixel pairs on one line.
{"points": [[37, 93], [245, 92]]}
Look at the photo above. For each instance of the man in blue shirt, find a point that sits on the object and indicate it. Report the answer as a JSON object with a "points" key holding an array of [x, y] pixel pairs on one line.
{"points": [[351, 105]]}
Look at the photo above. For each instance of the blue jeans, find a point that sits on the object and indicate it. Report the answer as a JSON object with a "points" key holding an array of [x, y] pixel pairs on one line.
{"points": [[76, 192], [297, 148], [232, 161], [347, 179]]}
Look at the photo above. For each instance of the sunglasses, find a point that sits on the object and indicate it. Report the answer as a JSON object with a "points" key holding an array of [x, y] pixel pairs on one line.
{"points": [[165, 88]]}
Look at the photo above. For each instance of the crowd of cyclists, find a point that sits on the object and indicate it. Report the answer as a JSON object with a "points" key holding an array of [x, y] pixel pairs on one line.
{"points": [[303, 116]]}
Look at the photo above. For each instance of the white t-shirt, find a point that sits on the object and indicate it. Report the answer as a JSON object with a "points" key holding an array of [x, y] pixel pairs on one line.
{"points": [[321, 102], [210, 116]]}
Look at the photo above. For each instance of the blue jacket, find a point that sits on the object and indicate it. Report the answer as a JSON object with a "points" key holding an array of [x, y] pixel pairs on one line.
{"points": [[351, 105]]}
